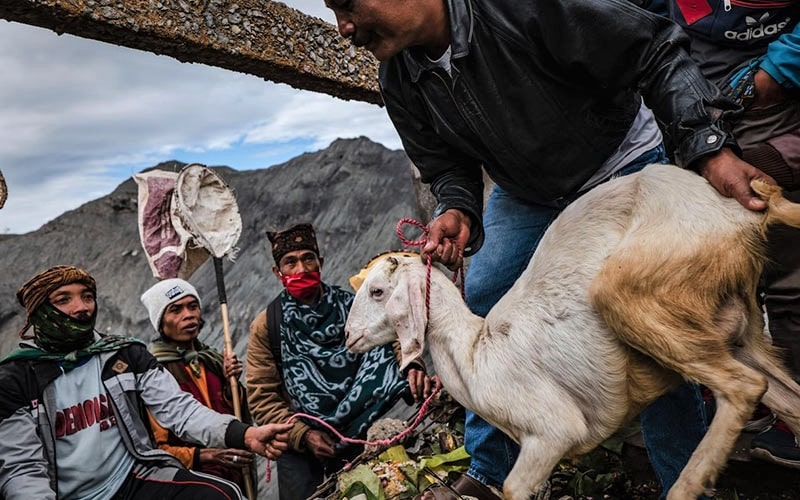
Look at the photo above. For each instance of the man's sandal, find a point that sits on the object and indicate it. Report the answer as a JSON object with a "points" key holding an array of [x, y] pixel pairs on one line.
{"points": [[463, 487]]}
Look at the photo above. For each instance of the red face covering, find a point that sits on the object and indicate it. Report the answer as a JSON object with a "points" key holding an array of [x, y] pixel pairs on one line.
{"points": [[302, 286]]}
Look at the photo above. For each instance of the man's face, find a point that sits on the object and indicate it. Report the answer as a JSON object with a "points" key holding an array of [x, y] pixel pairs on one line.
{"points": [[181, 320], [75, 300], [384, 27], [296, 262]]}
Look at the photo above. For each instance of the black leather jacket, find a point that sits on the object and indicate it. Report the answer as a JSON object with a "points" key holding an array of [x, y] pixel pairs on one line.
{"points": [[542, 92]]}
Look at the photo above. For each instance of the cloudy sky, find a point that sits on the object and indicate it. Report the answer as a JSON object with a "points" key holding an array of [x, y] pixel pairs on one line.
{"points": [[78, 117]]}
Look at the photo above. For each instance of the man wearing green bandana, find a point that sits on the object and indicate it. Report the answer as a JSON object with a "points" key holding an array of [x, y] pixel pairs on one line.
{"points": [[303, 366], [71, 410], [175, 312]]}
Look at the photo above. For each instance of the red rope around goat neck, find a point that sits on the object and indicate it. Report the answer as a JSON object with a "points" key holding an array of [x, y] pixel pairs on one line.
{"points": [[423, 411]]}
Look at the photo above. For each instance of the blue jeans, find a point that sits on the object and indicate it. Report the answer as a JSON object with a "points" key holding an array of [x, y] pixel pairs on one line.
{"points": [[513, 230], [672, 427]]}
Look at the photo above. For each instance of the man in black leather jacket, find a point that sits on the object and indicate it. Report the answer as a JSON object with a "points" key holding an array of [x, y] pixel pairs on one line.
{"points": [[547, 97]]}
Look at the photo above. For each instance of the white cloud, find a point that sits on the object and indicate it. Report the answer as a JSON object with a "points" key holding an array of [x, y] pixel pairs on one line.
{"points": [[325, 119], [79, 116], [34, 204]]}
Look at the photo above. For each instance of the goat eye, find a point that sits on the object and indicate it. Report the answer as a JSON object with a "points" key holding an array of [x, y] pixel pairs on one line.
{"points": [[375, 293]]}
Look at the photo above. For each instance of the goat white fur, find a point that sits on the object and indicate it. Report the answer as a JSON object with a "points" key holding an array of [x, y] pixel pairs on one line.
{"points": [[644, 281]]}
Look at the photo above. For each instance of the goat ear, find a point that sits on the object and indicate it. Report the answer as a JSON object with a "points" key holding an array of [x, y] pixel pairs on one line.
{"points": [[406, 310]]}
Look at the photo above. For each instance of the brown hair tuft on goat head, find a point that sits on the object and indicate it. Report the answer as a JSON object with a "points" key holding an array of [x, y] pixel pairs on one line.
{"points": [[393, 263]]}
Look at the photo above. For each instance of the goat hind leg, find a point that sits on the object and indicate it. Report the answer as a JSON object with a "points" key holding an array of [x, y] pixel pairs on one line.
{"points": [[685, 351], [736, 388], [537, 458], [783, 400], [783, 393]]}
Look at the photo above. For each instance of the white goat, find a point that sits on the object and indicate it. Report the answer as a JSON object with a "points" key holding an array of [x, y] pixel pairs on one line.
{"points": [[644, 281]]}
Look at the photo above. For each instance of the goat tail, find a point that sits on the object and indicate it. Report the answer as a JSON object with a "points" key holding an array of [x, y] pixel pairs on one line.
{"points": [[779, 209]]}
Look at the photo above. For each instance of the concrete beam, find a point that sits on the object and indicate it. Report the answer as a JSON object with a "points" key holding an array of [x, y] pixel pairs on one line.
{"points": [[262, 38]]}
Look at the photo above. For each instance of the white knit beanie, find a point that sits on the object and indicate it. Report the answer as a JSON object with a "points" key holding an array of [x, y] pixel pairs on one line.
{"points": [[164, 293]]}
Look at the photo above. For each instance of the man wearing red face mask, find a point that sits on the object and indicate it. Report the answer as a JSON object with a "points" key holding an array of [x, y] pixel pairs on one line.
{"points": [[297, 362]]}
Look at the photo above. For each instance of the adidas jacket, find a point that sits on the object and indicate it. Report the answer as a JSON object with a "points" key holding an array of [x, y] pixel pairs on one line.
{"points": [[727, 34]]}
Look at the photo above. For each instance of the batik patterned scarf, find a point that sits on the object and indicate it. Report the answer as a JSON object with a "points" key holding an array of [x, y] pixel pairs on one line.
{"points": [[323, 378]]}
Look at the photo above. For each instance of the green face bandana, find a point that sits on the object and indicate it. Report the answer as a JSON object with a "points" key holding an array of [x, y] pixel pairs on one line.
{"points": [[60, 333]]}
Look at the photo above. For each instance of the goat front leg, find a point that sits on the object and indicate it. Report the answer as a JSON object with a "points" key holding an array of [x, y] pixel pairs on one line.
{"points": [[537, 458]]}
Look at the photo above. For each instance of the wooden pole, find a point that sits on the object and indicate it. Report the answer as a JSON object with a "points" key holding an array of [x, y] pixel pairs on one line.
{"points": [[237, 407]]}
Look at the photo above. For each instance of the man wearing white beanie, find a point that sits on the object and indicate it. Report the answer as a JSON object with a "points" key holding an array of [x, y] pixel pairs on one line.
{"points": [[159, 296], [175, 311]]}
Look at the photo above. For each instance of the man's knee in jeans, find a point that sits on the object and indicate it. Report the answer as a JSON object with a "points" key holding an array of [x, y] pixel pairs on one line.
{"points": [[672, 427], [493, 453]]}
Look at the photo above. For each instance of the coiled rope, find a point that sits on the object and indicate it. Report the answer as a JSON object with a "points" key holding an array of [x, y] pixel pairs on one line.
{"points": [[421, 243]]}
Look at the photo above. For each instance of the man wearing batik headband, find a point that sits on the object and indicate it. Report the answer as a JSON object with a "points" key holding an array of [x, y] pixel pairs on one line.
{"points": [[70, 408], [297, 361]]}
